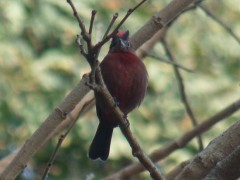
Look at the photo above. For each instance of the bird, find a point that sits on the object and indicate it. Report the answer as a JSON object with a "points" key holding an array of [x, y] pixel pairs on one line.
{"points": [[126, 78]]}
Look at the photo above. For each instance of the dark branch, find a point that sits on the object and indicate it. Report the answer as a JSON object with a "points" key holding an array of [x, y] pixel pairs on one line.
{"points": [[80, 22], [52, 158], [219, 21], [60, 140], [108, 37], [80, 46], [94, 12], [182, 90], [115, 16], [170, 62], [161, 153]]}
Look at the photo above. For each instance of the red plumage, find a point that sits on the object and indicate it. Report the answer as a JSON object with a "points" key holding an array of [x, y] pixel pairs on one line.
{"points": [[126, 79]]}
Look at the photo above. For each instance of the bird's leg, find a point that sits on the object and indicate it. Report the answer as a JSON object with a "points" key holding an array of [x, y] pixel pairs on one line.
{"points": [[91, 85]]}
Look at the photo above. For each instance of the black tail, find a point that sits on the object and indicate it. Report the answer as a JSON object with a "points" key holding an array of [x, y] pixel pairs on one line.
{"points": [[101, 143]]}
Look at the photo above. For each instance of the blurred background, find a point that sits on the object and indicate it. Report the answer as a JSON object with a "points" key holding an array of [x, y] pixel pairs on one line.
{"points": [[40, 63]]}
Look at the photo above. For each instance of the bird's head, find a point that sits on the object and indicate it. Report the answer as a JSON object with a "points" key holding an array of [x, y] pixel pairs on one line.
{"points": [[120, 42]]}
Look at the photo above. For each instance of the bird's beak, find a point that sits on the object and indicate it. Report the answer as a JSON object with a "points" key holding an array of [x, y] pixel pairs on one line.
{"points": [[123, 43]]}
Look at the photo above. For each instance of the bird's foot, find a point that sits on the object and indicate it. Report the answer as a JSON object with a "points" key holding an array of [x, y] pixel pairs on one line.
{"points": [[92, 86]]}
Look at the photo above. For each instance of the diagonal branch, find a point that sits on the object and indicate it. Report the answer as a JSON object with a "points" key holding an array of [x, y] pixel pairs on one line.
{"points": [[215, 152], [161, 153], [60, 141], [228, 168], [80, 22], [219, 21]]}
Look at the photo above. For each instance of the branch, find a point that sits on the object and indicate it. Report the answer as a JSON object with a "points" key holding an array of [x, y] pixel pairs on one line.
{"points": [[219, 21], [115, 16], [45, 131], [170, 62], [173, 173], [60, 140], [86, 103], [180, 142], [80, 22], [182, 90], [108, 37], [216, 151], [94, 12], [158, 21], [228, 168], [144, 50]]}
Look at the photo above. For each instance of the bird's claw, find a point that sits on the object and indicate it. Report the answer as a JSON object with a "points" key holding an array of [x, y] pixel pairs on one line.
{"points": [[92, 86]]}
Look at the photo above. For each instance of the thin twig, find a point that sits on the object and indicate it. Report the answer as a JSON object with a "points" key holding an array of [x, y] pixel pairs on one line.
{"points": [[219, 21], [115, 16], [92, 21], [52, 158], [60, 140], [80, 46], [108, 37], [130, 11], [165, 151], [170, 62], [80, 22], [182, 90]]}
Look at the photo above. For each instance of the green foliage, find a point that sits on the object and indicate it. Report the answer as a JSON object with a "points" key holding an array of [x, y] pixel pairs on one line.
{"points": [[40, 63]]}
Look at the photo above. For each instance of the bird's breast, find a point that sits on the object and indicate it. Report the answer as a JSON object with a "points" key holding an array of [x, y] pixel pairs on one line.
{"points": [[126, 79]]}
